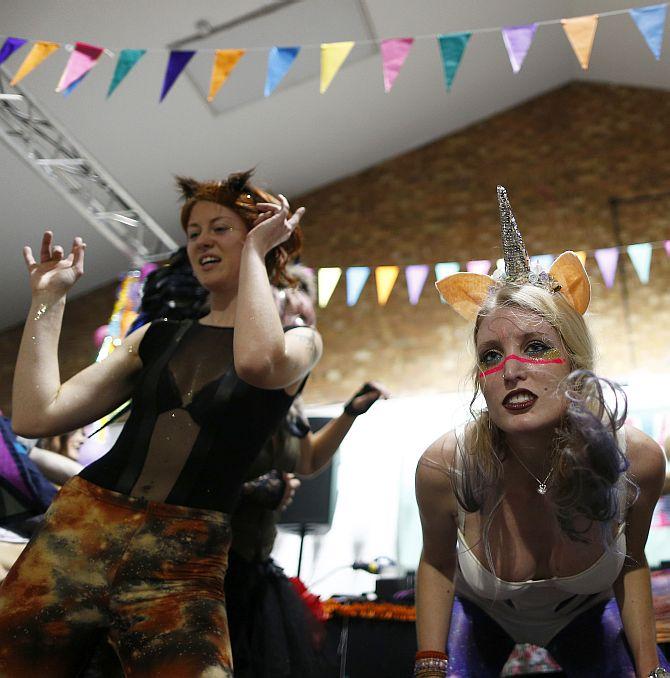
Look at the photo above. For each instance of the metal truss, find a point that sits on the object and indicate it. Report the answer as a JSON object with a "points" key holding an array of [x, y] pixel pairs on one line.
{"points": [[73, 173]]}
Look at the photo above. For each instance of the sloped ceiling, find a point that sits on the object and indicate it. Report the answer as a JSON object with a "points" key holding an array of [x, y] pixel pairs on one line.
{"points": [[297, 139]]}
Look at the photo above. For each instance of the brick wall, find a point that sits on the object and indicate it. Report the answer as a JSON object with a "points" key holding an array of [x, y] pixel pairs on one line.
{"points": [[561, 156]]}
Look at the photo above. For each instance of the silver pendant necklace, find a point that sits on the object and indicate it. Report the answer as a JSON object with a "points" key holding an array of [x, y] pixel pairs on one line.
{"points": [[541, 484]]}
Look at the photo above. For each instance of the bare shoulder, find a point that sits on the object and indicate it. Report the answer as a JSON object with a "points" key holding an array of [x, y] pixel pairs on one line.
{"points": [[646, 458], [436, 466]]}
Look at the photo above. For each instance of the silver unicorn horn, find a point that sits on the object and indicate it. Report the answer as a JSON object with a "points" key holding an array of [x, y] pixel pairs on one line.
{"points": [[517, 263]]}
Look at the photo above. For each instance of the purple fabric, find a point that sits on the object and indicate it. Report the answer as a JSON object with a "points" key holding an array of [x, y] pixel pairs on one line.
{"points": [[9, 470], [592, 644]]}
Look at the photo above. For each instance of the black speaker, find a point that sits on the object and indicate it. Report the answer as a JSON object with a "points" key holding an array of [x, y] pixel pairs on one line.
{"points": [[313, 505]]}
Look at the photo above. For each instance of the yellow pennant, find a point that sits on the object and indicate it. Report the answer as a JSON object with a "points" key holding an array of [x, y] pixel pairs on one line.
{"points": [[224, 62], [327, 279], [581, 255], [39, 52], [385, 277], [581, 32], [333, 55]]}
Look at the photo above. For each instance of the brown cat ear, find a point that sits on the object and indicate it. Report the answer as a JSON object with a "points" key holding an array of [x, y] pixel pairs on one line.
{"points": [[187, 186], [237, 182]]}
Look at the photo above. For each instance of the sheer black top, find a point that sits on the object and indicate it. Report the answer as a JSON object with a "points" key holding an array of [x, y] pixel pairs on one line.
{"points": [[195, 427]]}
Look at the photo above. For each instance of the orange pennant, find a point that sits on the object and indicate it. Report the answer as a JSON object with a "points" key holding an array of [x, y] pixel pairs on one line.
{"points": [[39, 52], [224, 62], [385, 276], [581, 32]]}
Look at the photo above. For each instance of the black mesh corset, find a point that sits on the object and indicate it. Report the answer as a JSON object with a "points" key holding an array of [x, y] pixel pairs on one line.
{"points": [[195, 427]]}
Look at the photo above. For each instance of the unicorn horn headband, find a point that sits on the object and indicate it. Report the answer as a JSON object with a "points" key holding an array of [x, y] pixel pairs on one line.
{"points": [[467, 292]]}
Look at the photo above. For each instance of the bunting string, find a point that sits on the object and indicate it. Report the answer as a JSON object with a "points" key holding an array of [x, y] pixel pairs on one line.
{"points": [[580, 32]]}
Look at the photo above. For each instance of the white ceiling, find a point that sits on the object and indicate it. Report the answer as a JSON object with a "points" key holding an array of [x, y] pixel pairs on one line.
{"points": [[297, 138]]}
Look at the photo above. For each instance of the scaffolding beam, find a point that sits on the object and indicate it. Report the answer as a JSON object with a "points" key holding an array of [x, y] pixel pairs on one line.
{"points": [[52, 153]]}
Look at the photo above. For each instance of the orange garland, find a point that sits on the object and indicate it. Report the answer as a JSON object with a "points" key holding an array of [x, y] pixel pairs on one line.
{"points": [[387, 611]]}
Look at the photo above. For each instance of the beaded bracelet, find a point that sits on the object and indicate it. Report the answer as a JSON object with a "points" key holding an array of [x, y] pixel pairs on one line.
{"points": [[429, 664]]}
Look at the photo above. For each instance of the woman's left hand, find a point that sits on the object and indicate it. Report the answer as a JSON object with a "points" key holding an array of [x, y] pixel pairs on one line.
{"points": [[273, 225]]}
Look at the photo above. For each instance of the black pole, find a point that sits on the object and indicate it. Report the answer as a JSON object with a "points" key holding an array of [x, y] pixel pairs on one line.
{"points": [[303, 532]]}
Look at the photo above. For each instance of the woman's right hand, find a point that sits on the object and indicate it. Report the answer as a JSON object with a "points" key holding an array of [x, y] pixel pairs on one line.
{"points": [[55, 273]]}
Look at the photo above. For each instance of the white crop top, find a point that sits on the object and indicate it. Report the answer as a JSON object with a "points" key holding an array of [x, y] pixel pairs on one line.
{"points": [[534, 611]]}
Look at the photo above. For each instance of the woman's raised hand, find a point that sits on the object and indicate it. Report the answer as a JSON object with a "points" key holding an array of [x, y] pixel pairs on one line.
{"points": [[273, 225], [55, 273]]}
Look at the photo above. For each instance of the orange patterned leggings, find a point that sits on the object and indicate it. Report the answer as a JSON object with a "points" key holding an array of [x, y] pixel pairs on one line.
{"points": [[147, 575]]}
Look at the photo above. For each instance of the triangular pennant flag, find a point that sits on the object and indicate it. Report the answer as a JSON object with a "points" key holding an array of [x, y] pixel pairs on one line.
{"points": [[38, 53], [177, 62], [651, 22], [667, 247], [280, 59], [452, 47], [333, 55], [327, 279], [607, 259], [640, 255], [518, 40], [385, 277], [394, 52], [9, 47], [416, 278], [581, 32], [544, 261], [224, 62], [482, 266], [81, 61], [127, 59], [581, 255], [357, 276], [444, 269]]}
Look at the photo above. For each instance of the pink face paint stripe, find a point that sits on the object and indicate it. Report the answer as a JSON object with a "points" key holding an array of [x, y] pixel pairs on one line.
{"points": [[535, 361]]}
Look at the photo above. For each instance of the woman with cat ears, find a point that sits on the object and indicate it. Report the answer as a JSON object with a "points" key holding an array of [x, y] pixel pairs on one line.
{"points": [[135, 548], [535, 514]]}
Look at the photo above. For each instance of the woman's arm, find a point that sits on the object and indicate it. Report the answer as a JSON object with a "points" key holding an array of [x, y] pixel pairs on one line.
{"points": [[435, 575], [317, 449], [266, 356], [633, 586], [56, 467], [42, 405]]}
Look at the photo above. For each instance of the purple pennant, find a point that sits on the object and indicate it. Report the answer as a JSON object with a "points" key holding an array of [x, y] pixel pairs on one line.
{"points": [[9, 47], [416, 278], [176, 64], [518, 40], [607, 259], [481, 266]]}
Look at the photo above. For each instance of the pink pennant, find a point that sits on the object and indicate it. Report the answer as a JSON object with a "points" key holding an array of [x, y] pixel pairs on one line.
{"points": [[607, 259], [394, 53], [81, 61], [667, 247], [482, 266]]}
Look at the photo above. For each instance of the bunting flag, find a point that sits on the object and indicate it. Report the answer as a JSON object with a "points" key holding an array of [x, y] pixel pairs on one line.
{"points": [[356, 276], [544, 261], [452, 47], [333, 55], [81, 61], [446, 268], [482, 266], [518, 40], [607, 259], [394, 52], [127, 59], [385, 277], [581, 32], [327, 279], [416, 276], [38, 53], [177, 62], [581, 255], [224, 62], [667, 247], [651, 22], [280, 59], [9, 47], [640, 256]]}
